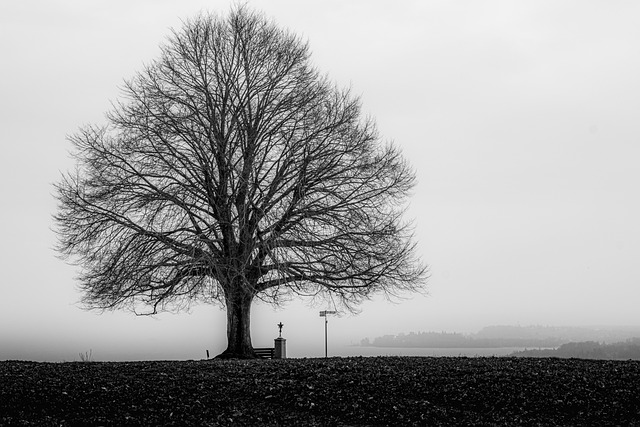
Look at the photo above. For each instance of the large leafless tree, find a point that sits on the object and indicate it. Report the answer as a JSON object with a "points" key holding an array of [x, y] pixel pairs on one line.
{"points": [[232, 170]]}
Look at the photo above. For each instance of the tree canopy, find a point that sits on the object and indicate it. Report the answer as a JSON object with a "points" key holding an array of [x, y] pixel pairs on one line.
{"points": [[230, 170]]}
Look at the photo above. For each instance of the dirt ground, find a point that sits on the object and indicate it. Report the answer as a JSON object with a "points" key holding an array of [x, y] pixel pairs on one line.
{"points": [[324, 392]]}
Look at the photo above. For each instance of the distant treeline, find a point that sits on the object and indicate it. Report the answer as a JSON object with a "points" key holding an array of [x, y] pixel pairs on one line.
{"points": [[506, 336], [629, 349], [456, 340]]}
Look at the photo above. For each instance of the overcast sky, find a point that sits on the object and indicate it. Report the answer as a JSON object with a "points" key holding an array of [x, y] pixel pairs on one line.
{"points": [[521, 119]]}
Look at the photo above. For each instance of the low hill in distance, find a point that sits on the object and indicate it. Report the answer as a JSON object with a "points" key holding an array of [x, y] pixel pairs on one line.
{"points": [[506, 336], [629, 349]]}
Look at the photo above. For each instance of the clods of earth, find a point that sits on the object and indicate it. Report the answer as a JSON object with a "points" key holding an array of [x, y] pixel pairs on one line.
{"points": [[351, 391]]}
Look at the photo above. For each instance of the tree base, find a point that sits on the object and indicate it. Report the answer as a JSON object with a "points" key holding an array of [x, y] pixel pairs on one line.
{"points": [[235, 355]]}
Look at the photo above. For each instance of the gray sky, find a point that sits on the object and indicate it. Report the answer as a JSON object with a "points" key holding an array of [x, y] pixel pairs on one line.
{"points": [[520, 118]]}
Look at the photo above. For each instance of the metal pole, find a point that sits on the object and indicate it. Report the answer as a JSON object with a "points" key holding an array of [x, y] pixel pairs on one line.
{"points": [[326, 321]]}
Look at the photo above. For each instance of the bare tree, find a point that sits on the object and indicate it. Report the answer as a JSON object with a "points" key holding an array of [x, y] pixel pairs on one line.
{"points": [[232, 170]]}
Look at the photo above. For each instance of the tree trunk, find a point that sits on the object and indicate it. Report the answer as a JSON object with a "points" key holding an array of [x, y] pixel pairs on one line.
{"points": [[238, 326]]}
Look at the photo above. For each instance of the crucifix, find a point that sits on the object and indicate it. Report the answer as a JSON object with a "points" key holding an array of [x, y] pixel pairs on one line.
{"points": [[280, 325]]}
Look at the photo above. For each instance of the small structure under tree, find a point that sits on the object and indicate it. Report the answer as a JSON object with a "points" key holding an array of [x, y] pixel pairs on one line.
{"points": [[232, 170]]}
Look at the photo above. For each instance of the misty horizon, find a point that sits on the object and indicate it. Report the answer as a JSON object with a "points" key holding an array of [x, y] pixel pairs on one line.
{"points": [[340, 344]]}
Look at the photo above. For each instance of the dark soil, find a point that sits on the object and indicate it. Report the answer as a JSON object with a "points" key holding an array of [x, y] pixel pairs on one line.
{"points": [[337, 391]]}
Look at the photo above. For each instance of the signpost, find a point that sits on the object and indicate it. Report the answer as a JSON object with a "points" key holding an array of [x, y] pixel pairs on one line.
{"points": [[325, 313]]}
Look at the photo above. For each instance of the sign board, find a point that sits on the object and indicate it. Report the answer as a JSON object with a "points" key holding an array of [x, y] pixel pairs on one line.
{"points": [[325, 312]]}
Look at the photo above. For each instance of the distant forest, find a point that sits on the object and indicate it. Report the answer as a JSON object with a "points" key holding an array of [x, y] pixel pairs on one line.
{"points": [[629, 349], [505, 336], [455, 340]]}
